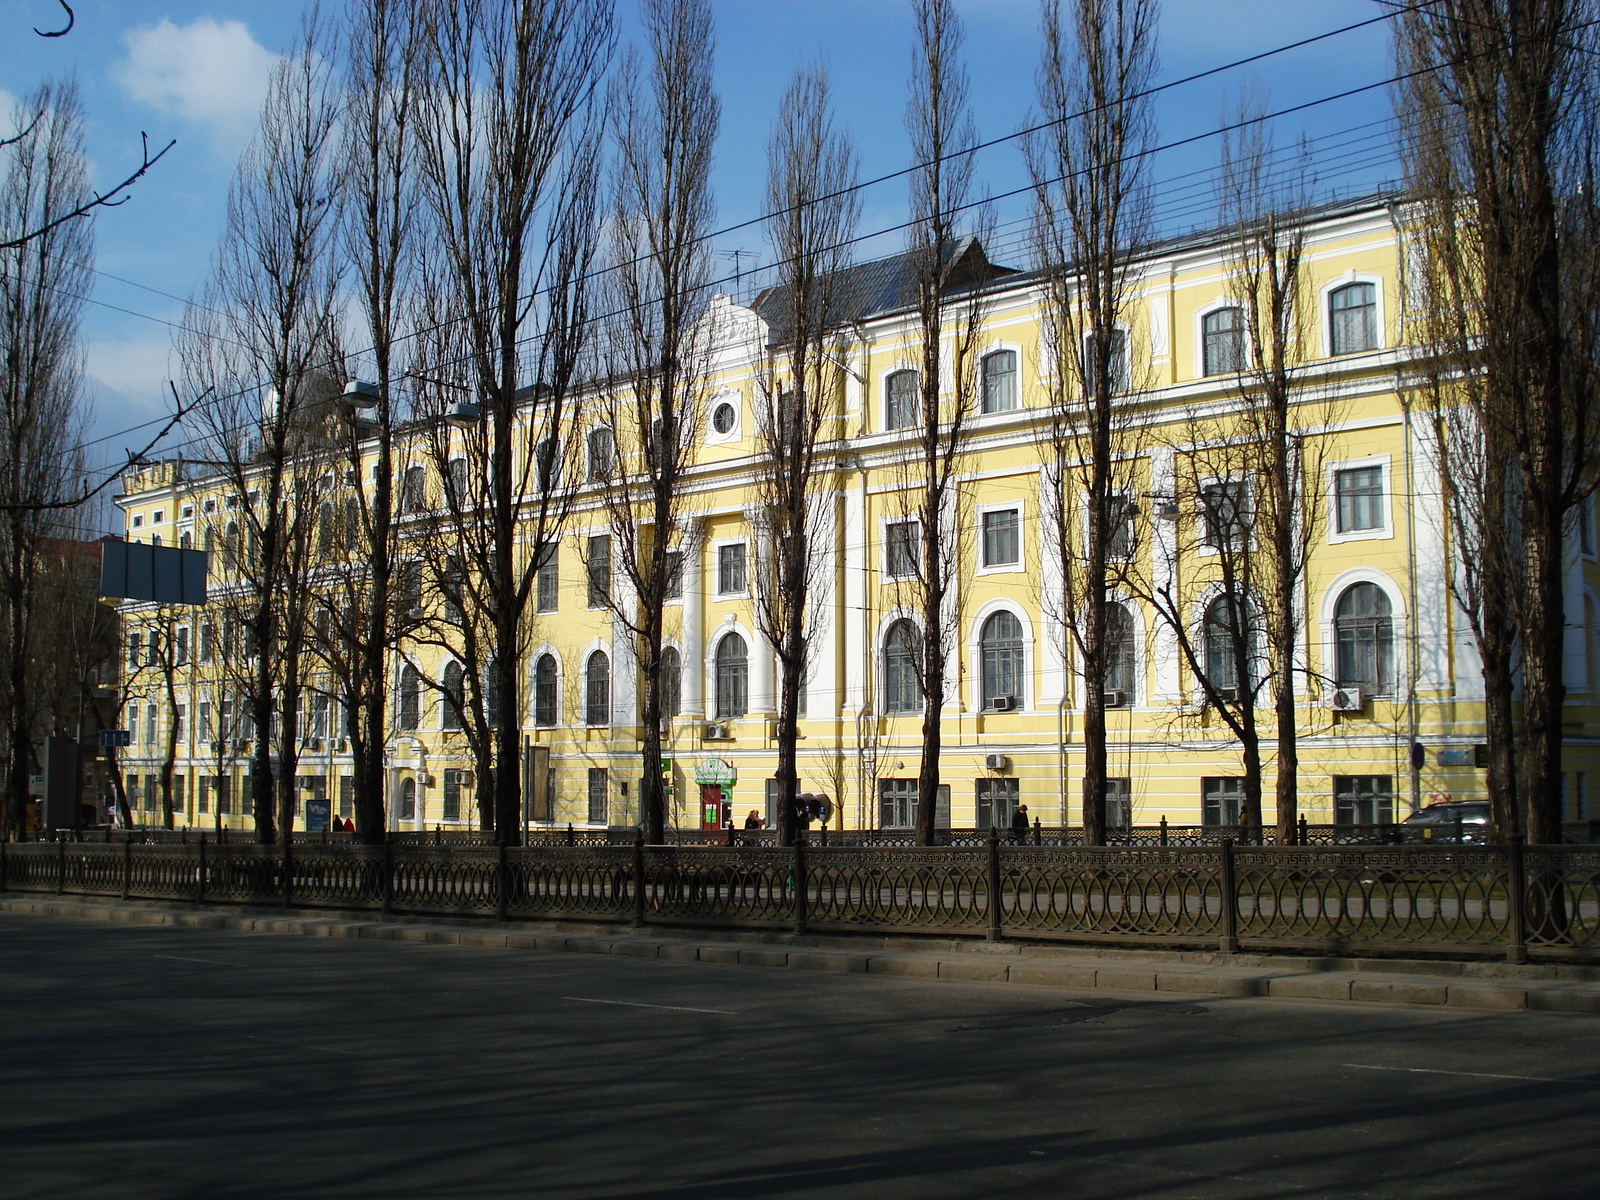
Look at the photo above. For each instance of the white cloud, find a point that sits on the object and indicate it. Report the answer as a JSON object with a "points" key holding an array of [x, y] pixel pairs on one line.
{"points": [[209, 72], [135, 369]]}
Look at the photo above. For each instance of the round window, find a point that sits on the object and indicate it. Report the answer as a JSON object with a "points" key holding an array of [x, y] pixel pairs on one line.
{"points": [[722, 418]]}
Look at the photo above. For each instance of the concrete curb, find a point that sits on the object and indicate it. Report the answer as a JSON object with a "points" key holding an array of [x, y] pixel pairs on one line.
{"points": [[1496, 987]]}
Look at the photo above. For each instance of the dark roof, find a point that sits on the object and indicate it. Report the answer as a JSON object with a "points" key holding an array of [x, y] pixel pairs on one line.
{"points": [[883, 285]]}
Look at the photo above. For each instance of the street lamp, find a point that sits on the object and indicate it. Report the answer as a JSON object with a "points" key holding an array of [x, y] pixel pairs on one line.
{"points": [[358, 393], [463, 415]]}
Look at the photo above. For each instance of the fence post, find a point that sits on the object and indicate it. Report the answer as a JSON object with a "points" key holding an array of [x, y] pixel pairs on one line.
{"points": [[994, 885], [1163, 829], [127, 868], [569, 833], [1516, 893], [388, 876], [502, 882], [638, 878], [288, 868], [61, 866], [1230, 901], [1038, 833], [202, 897], [801, 900]]}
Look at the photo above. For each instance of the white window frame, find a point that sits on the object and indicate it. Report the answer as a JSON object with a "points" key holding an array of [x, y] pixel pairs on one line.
{"points": [[1203, 549], [884, 525], [1019, 507], [731, 396], [538, 652], [992, 348], [1199, 332], [1383, 532], [1127, 357], [1325, 312], [883, 395], [1399, 618], [1030, 689], [716, 566]]}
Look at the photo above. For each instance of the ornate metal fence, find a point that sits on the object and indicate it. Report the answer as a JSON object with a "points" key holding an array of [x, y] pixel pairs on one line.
{"points": [[1478, 900]]}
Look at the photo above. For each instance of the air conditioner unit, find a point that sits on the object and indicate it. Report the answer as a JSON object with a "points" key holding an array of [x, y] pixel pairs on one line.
{"points": [[465, 778], [996, 762], [1346, 699], [1227, 695], [1167, 510], [311, 743], [218, 747], [241, 746], [716, 732], [416, 614], [1002, 703], [1114, 699], [344, 744]]}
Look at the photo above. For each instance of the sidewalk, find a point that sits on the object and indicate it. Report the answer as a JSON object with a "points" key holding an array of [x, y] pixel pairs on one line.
{"points": [[1474, 985]]}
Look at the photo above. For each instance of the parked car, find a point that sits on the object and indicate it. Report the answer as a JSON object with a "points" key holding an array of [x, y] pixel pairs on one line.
{"points": [[1452, 823]]}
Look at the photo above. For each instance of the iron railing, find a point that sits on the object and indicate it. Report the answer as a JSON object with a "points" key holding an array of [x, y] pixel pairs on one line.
{"points": [[1472, 900]]}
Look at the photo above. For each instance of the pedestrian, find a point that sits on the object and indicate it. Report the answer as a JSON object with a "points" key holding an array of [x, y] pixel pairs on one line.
{"points": [[754, 820], [1019, 824]]}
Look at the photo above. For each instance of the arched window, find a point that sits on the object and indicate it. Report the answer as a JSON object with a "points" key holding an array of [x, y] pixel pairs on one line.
{"points": [[1223, 337], [902, 674], [454, 695], [1000, 381], [210, 543], [1001, 644], [1353, 318], [456, 481], [230, 546], [408, 799], [597, 689], [1121, 658], [733, 672], [186, 540], [545, 705], [410, 697], [671, 682], [900, 400], [1225, 626], [1364, 631]]}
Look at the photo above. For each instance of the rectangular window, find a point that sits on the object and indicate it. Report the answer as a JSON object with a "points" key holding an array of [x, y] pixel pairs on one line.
{"points": [[347, 795], [1120, 529], [996, 802], [178, 715], [730, 569], [1358, 495], [599, 568], [1363, 799], [674, 587], [897, 804], [1002, 540], [180, 647], [180, 803], [150, 726], [452, 794], [902, 548], [204, 799], [1221, 800], [151, 783], [224, 796], [135, 649], [549, 580], [1224, 514], [1119, 803], [599, 795]]}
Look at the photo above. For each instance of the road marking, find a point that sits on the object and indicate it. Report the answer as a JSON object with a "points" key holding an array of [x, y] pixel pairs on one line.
{"points": [[214, 962], [1476, 1075], [631, 1004], [301, 1045]]}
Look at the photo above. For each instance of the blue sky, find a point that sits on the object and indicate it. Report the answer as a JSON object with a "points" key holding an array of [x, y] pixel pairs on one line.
{"points": [[195, 70]]}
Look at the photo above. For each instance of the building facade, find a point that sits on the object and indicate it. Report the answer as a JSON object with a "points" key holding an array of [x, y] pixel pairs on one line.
{"points": [[1387, 662]]}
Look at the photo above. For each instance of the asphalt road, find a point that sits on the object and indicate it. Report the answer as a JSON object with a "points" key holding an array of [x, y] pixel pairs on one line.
{"points": [[161, 1062]]}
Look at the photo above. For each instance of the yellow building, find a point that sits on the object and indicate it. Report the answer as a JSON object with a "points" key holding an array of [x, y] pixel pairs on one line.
{"points": [[1388, 663]]}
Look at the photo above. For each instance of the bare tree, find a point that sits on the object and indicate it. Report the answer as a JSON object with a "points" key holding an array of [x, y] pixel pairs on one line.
{"points": [[259, 337], [508, 171], [811, 166], [946, 274], [383, 53], [664, 121], [1266, 205], [1498, 117], [1091, 223], [45, 174]]}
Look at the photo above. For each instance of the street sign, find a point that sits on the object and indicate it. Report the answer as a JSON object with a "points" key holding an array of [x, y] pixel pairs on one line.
{"points": [[317, 815], [115, 737], [715, 770]]}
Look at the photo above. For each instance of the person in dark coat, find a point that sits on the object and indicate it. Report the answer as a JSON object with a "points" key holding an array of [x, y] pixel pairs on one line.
{"points": [[1019, 824]]}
